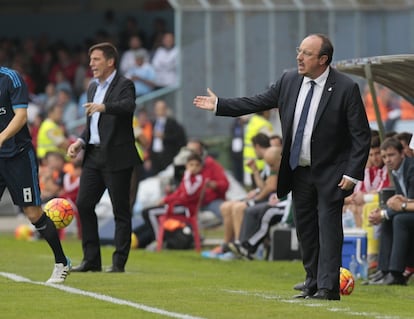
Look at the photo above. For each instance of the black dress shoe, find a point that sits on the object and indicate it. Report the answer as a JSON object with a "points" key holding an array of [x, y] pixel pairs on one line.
{"points": [[306, 292], [300, 286], [392, 279], [114, 268], [325, 294], [86, 266]]}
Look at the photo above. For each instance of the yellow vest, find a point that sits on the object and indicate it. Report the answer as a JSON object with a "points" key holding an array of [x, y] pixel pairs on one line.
{"points": [[46, 144], [138, 146], [256, 124]]}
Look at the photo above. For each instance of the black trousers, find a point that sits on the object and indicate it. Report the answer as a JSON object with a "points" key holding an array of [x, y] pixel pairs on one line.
{"points": [[318, 220], [402, 251], [94, 180]]}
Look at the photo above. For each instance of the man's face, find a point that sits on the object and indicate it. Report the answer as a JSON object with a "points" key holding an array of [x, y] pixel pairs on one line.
{"points": [[375, 157], [392, 158], [194, 147], [100, 66], [308, 60]]}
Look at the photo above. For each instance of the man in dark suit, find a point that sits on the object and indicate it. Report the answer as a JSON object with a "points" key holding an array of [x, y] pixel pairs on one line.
{"points": [[324, 153], [110, 155], [394, 242], [168, 138]]}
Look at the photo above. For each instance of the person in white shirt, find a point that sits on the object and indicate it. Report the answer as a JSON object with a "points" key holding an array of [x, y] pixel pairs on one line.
{"points": [[165, 62]]}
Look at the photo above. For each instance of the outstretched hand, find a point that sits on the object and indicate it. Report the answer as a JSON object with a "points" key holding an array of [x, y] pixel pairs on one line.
{"points": [[206, 102]]}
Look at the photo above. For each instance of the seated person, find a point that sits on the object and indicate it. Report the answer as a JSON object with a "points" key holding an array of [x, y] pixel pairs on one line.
{"points": [[402, 169], [233, 211], [257, 221], [376, 177], [217, 183], [183, 200], [400, 266]]}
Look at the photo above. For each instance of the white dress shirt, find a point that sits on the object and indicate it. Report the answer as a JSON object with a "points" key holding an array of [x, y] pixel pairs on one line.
{"points": [[305, 156], [98, 99]]}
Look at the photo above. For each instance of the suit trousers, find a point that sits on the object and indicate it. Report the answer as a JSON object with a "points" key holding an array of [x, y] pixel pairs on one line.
{"points": [[95, 178], [318, 220], [385, 245], [403, 242]]}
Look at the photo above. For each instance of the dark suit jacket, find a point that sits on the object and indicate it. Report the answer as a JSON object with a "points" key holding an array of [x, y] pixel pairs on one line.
{"points": [[408, 173], [341, 135], [174, 139], [115, 124]]}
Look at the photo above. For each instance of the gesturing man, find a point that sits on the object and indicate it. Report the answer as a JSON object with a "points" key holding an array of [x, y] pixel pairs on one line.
{"points": [[326, 141]]}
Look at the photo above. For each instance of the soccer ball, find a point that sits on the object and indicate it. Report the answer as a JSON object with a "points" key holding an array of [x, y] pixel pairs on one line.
{"points": [[346, 281], [24, 232], [60, 211]]}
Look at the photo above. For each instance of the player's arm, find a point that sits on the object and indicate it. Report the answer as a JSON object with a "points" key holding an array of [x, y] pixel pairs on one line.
{"points": [[19, 120]]}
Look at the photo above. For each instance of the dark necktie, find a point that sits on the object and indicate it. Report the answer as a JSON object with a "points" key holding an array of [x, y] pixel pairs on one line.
{"points": [[297, 143]]}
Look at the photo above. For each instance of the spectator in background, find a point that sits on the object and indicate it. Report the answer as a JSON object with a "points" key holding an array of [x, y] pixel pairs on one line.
{"points": [[51, 136], [128, 58], [376, 178], [159, 28], [142, 74], [183, 201], [407, 110], [47, 98], [130, 29], [402, 169], [83, 98], [34, 120], [70, 108], [110, 25], [394, 110], [233, 211], [276, 140], [71, 182], [21, 66], [405, 138], [168, 136], [51, 174], [82, 72], [402, 251], [258, 123], [217, 183], [165, 62], [64, 64], [138, 174], [146, 128], [256, 223]]}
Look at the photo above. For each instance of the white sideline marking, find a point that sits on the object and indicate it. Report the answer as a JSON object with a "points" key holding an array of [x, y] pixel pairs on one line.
{"points": [[313, 304], [102, 297]]}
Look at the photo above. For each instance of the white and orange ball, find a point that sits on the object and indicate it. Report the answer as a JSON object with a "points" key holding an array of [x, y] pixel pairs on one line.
{"points": [[346, 281], [60, 211], [24, 232]]}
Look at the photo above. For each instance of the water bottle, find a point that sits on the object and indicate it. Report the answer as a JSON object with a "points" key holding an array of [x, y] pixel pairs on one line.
{"points": [[353, 267], [348, 220], [364, 267]]}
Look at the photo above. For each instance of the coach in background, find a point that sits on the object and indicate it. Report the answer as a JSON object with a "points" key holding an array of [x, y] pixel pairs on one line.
{"points": [[110, 155], [324, 153], [396, 219]]}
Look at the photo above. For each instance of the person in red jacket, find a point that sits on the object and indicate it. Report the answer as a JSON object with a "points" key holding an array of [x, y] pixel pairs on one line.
{"points": [[183, 200], [217, 183]]}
